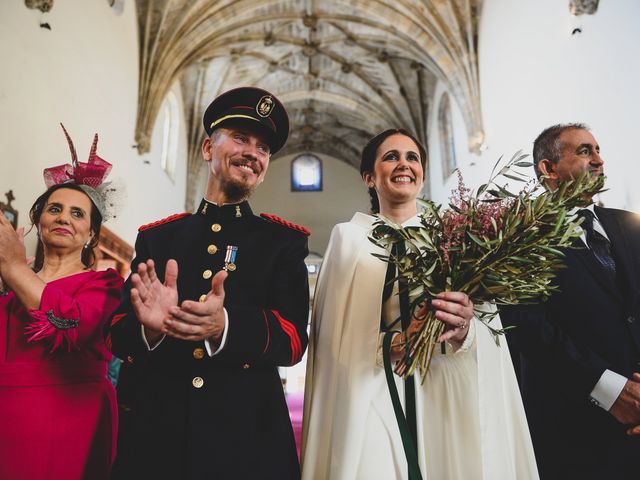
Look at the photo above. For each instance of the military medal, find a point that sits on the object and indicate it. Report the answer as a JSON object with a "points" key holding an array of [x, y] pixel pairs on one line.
{"points": [[230, 258]]}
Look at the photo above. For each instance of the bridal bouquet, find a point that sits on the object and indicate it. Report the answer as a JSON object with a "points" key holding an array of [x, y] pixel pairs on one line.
{"points": [[495, 245]]}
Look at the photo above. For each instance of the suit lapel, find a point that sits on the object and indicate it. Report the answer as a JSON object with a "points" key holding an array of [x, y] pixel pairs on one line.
{"points": [[620, 247], [588, 260]]}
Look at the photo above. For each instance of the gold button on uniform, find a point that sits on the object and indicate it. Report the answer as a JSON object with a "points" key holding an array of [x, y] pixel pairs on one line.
{"points": [[212, 249], [246, 366], [197, 382], [207, 274], [198, 354], [129, 359], [202, 298], [216, 227]]}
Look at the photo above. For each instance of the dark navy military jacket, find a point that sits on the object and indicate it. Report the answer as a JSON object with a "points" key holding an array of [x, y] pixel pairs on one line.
{"points": [[185, 414]]}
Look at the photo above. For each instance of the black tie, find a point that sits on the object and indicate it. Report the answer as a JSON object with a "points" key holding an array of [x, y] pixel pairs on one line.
{"points": [[598, 243]]}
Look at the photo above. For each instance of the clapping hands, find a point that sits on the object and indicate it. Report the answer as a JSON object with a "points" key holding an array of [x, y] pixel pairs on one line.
{"points": [[151, 299], [156, 305], [11, 246]]}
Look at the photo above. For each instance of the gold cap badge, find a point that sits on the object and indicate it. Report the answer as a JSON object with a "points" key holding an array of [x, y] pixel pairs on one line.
{"points": [[265, 106]]}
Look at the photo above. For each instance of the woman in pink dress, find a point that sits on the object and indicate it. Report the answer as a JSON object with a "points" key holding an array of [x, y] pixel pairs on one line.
{"points": [[58, 412]]}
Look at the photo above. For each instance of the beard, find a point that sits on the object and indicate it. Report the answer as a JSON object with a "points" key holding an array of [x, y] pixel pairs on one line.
{"points": [[236, 191]]}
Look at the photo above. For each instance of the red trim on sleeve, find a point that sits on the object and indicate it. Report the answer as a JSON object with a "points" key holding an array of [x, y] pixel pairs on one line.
{"points": [[290, 329], [266, 321], [117, 318], [294, 349]]}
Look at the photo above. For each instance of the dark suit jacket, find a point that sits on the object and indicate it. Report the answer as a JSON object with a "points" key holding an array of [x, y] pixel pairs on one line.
{"points": [[185, 415], [565, 345]]}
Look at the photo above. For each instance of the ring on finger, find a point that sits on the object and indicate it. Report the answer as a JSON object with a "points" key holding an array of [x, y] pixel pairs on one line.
{"points": [[463, 325]]}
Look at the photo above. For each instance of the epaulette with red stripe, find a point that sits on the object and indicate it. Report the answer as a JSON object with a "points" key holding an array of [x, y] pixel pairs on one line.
{"points": [[170, 218], [281, 221]]}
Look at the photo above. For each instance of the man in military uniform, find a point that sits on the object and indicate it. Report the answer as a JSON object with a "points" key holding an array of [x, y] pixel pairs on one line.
{"points": [[219, 299]]}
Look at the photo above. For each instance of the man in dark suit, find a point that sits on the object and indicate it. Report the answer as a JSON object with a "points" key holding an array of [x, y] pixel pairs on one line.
{"points": [[580, 351], [219, 299]]}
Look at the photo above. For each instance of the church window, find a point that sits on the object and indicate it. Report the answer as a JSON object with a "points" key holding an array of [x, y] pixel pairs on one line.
{"points": [[306, 173], [445, 127], [170, 130]]}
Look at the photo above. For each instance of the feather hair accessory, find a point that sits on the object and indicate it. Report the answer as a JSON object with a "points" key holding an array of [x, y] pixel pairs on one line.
{"points": [[89, 176]]}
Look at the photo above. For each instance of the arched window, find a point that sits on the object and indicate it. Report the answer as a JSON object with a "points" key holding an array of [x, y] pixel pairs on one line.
{"points": [[445, 128], [170, 131], [306, 173]]}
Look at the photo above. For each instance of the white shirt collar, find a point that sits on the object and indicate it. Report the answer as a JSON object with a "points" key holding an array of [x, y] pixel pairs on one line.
{"points": [[597, 226]]}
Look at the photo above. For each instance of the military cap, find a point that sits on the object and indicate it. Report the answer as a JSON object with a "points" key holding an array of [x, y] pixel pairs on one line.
{"points": [[254, 106]]}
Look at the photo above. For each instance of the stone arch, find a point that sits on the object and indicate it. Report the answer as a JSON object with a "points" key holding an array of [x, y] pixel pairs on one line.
{"points": [[345, 69]]}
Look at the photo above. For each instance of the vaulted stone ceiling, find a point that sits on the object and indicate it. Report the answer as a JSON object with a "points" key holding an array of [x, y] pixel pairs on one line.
{"points": [[345, 69]]}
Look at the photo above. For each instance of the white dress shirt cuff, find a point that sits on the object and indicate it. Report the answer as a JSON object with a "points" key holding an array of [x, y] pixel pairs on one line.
{"points": [[146, 342], [607, 390], [211, 350]]}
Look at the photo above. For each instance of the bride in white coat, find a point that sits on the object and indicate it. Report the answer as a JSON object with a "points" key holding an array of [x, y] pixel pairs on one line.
{"points": [[468, 422]]}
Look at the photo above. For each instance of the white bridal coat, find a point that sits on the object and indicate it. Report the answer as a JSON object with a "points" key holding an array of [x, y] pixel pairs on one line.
{"points": [[470, 419]]}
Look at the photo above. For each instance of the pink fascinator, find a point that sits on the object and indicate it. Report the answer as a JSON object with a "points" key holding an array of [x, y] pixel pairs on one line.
{"points": [[89, 176]]}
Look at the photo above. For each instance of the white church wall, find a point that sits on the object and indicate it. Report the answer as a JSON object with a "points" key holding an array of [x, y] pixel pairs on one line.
{"points": [[343, 194], [534, 73], [83, 72]]}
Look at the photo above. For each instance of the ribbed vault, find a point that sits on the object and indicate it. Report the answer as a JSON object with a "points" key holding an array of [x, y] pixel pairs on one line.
{"points": [[345, 69]]}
